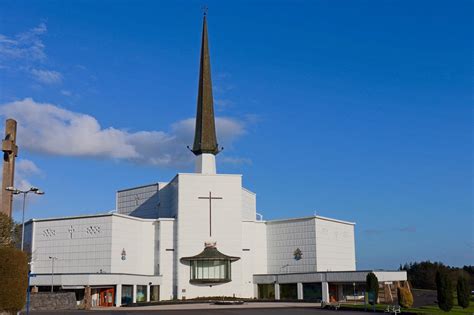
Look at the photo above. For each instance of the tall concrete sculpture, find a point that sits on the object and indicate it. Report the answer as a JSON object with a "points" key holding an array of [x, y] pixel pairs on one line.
{"points": [[10, 152]]}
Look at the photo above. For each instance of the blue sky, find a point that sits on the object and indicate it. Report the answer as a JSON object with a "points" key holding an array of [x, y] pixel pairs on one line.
{"points": [[360, 110]]}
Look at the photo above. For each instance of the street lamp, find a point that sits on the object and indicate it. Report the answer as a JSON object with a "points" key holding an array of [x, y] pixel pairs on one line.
{"points": [[52, 271], [287, 266], [15, 191], [354, 286]]}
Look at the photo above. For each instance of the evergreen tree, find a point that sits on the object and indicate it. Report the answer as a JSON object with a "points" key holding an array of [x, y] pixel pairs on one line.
{"points": [[462, 289], [372, 285], [444, 289]]}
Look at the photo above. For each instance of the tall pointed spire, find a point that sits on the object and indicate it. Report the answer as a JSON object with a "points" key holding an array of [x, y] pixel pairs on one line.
{"points": [[205, 139]]}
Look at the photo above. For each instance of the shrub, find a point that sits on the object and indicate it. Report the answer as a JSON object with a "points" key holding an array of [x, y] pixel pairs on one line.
{"points": [[462, 289], [405, 298], [14, 278], [444, 289], [372, 285]]}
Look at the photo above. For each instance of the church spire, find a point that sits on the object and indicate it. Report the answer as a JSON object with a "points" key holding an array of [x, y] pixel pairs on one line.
{"points": [[205, 139]]}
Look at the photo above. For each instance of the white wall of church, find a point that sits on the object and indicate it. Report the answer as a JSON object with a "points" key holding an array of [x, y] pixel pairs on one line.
{"points": [[254, 254], [193, 228], [168, 196], [167, 259], [137, 237], [249, 205], [283, 238], [81, 245], [335, 246]]}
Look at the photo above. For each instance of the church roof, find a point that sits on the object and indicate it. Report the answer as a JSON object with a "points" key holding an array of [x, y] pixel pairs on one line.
{"points": [[210, 253], [205, 139]]}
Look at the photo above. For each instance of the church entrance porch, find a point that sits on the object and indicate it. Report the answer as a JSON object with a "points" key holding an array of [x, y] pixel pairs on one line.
{"points": [[329, 286]]}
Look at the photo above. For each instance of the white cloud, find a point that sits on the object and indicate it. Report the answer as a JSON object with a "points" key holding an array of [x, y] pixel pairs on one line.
{"points": [[46, 76], [26, 52], [49, 129], [24, 169], [66, 93], [27, 45], [222, 104], [236, 160]]}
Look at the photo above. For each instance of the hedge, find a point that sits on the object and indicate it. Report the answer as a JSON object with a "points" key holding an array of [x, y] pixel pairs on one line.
{"points": [[14, 278]]}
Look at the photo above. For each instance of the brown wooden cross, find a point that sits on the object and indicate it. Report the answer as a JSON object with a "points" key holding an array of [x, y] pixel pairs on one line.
{"points": [[210, 209]]}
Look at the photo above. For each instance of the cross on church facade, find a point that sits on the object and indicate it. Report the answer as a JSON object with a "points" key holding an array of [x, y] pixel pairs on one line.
{"points": [[71, 230], [210, 197]]}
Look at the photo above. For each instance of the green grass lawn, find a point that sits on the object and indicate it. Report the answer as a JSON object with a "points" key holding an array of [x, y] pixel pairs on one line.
{"points": [[432, 309]]}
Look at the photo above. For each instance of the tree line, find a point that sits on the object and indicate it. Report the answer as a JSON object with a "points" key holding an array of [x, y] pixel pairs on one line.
{"points": [[422, 275]]}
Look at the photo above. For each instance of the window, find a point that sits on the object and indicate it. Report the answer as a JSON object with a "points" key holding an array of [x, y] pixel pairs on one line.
{"points": [[141, 293], [127, 294], [266, 291], [154, 293], [288, 291], [210, 271]]}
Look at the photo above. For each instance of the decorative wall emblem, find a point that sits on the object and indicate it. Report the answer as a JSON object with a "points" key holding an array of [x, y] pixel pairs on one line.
{"points": [[298, 254], [124, 254], [93, 230], [49, 233], [71, 230]]}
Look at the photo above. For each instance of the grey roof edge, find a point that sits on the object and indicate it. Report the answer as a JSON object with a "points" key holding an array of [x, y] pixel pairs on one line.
{"points": [[138, 187], [309, 218], [99, 215], [324, 272]]}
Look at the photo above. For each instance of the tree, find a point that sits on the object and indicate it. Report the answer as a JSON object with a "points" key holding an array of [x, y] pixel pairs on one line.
{"points": [[10, 232], [372, 285], [6, 230], [444, 289], [405, 298], [13, 268], [462, 289]]}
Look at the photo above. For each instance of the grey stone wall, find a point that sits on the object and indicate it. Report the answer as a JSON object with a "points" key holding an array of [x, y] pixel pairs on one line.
{"points": [[53, 301]]}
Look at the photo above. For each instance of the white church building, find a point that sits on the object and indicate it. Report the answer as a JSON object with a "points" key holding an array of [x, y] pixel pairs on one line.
{"points": [[198, 235]]}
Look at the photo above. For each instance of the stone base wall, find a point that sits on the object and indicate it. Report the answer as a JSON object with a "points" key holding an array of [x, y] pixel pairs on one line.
{"points": [[53, 301]]}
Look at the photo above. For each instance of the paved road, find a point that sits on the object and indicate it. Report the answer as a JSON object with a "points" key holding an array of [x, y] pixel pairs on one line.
{"points": [[235, 311]]}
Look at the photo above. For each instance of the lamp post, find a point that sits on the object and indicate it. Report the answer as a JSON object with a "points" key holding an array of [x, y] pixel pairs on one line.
{"points": [[354, 287], [287, 266], [52, 271], [15, 191], [28, 291]]}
